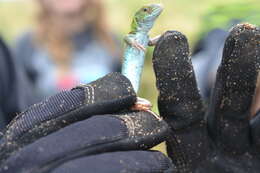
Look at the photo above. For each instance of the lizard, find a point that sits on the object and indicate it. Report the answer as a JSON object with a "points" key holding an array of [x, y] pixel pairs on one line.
{"points": [[137, 40]]}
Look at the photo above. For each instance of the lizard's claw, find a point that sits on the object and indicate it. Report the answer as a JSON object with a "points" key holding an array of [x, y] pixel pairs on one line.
{"points": [[138, 46]]}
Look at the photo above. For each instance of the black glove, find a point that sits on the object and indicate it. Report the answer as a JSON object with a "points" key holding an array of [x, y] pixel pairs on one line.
{"points": [[56, 136], [220, 137], [62, 133]]}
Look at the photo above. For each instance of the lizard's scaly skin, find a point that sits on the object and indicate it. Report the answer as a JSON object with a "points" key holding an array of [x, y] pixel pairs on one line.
{"points": [[134, 58]]}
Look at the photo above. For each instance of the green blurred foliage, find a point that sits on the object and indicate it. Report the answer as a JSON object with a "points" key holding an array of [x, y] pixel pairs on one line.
{"points": [[219, 16], [15, 17]]}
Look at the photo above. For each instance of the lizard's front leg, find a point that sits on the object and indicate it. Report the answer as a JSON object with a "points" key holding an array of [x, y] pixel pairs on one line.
{"points": [[132, 42], [153, 41]]}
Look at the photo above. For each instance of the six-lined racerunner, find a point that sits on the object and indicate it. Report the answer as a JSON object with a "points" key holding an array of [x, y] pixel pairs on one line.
{"points": [[136, 43]]}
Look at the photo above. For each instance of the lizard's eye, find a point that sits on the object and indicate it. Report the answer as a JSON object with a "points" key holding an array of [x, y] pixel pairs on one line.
{"points": [[145, 9]]}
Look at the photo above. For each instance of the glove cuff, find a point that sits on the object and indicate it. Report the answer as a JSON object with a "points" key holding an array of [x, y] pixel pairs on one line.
{"points": [[113, 87]]}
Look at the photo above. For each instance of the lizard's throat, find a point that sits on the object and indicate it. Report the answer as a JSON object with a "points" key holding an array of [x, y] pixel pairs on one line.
{"points": [[144, 27]]}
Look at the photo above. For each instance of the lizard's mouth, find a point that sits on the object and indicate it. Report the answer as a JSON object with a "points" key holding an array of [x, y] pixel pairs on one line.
{"points": [[157, 9]]}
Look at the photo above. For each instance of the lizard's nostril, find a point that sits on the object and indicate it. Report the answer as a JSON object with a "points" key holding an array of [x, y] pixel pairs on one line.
{"points": [[159, 6]]}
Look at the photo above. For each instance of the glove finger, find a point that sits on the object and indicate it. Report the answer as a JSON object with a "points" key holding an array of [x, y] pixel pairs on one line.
{"points": [[179, 100], [131, 161], [106, 95], [136, 130], [228, 116]]}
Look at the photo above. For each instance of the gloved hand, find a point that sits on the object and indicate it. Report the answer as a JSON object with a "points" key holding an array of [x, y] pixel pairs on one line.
{"points": [[219, 138], [88, 129], [55, 137]]}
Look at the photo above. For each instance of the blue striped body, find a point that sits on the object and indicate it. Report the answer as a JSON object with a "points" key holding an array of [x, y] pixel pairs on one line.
{"points": [[134, 59], [142, 23]]}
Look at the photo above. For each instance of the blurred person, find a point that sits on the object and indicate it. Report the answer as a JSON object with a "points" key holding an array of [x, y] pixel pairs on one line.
{"points": [[71, 44], [15, 92], [207, 60]]}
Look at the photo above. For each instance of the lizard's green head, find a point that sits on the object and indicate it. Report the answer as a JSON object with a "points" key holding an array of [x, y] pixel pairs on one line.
{"points": [[145, 17]]}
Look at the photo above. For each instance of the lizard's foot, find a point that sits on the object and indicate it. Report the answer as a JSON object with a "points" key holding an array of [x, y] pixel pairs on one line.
{"points": [[138, 46], [144, 105]]}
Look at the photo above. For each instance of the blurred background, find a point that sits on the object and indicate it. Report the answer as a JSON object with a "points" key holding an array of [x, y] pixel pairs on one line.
{"points": [[204, 22]]}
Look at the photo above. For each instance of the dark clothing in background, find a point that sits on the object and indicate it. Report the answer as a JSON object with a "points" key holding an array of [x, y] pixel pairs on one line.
{"points": [[15, 92], [207, 59]]}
